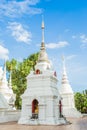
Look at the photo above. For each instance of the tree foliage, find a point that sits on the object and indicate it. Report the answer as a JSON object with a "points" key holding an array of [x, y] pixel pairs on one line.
{"points": [[81, 101], [20, 70]]}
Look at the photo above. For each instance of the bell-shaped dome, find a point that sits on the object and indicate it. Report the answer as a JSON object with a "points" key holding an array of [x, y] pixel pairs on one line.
{"points": [[43, 55]]}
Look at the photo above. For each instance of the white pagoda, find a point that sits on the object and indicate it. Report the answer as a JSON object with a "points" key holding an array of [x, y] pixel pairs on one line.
{"points": [[6, 88], [7, 99], [67, 95], [41, 100]]}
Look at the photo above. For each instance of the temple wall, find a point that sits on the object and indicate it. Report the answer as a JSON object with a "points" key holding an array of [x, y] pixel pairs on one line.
{"points": [[7, 115]]}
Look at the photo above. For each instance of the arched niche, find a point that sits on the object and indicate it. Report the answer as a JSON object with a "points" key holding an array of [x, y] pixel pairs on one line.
{"points": [[35, 109], [37, 71]]}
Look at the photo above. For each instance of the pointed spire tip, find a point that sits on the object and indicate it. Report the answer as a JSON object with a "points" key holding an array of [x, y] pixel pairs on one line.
{"points": [[42, 22]]}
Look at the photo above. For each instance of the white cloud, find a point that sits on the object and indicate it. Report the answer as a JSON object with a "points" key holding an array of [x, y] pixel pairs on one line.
{"points": [[81, 69], [83, 39], [19, 33], [83, 46], [74, 36], [16, 8], [70, 57], [60, 44], [3, 52], [67, 30]]}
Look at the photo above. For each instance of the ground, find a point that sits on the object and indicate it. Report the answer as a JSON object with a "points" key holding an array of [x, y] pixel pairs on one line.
{"points": [[76, 124]]}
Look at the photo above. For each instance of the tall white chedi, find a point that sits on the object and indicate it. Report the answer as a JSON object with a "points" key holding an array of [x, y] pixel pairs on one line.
{"points": [[67, 94], [40, 101]]}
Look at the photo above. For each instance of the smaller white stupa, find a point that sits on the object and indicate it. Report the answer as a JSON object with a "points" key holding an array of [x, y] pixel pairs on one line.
{"points": [[6, 88], [7, 99], [67, 94]]}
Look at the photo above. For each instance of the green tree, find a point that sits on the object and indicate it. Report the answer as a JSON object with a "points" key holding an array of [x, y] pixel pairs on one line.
{"points": [[81, 101], [11, 65]]}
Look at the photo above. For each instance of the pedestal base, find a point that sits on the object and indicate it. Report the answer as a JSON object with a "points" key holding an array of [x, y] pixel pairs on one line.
{"points": [[49, 121], [71, 112]]}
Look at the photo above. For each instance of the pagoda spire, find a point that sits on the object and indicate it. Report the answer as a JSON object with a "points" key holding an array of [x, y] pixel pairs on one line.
{"points": [[64, 78], [42, 43], [43, 62], [65, 86], [43, 57]]}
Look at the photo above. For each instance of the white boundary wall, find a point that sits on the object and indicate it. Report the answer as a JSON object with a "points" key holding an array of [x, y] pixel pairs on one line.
{"points": [[8, 115]]}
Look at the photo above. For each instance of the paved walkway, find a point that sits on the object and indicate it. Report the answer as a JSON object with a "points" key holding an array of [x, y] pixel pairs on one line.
{"points": [[76, 124]]}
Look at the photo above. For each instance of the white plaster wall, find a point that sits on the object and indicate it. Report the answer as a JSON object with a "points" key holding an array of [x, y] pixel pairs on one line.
{"points": [[68, 100], [6, 115], [68, 106]]}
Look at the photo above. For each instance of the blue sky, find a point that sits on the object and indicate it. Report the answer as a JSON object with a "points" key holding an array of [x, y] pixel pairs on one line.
{"points": [[65, 34]]}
